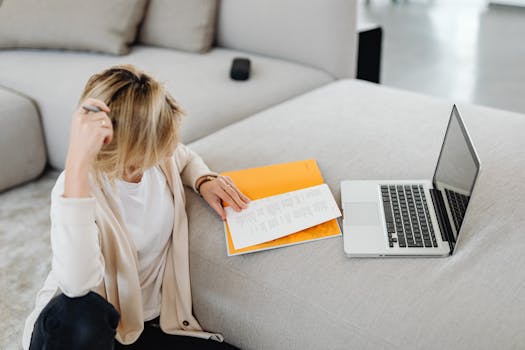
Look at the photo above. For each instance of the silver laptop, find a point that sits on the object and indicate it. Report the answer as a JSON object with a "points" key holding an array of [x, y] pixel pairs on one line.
{"points": [[385, 218]]}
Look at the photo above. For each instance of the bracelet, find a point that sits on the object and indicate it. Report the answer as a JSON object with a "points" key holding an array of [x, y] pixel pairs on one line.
{"points": [[205, 179]]}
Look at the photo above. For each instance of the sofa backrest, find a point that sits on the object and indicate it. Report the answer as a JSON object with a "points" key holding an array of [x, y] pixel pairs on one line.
{"points": [[318, 33]]}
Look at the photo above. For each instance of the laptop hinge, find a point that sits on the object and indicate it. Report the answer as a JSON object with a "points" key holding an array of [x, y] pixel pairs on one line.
{"points": [[442, 217]]}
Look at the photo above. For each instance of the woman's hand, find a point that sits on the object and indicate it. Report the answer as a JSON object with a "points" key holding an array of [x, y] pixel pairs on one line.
{"points": [[223, 188], [89, 131]]}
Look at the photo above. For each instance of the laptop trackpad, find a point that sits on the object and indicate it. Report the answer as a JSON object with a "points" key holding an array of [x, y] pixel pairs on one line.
{"points": [[361, 214]]}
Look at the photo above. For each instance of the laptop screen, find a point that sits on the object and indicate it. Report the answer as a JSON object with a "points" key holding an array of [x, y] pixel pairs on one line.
{"points": [[456, 171]]}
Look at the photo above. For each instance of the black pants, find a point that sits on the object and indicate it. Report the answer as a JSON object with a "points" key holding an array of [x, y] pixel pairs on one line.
{"points": [[90, 322]]}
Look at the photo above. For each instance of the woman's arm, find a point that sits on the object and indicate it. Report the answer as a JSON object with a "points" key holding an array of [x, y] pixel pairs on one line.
{"points": [[193, 169], [191, 166], [77, 259]]}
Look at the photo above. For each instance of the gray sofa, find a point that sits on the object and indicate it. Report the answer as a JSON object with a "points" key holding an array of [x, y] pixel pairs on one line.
{"points": [[310, 296]]}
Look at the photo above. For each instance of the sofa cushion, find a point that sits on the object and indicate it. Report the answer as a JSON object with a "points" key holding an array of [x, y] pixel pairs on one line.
{"points": [[310, 296], [200, 82], [318, 33], [22, 149], [96, 25], [180, 24]]}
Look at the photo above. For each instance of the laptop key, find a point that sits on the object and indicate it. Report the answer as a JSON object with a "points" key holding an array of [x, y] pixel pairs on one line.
{"points": [[388, 212]]}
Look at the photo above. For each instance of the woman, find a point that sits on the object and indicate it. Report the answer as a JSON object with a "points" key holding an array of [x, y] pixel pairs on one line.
{"points": [[119, 231]]}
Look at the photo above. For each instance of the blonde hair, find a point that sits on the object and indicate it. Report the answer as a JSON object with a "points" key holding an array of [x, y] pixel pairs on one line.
{"points": [[145, 118]]}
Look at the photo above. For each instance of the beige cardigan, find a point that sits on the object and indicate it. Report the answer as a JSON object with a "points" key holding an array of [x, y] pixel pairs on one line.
{"points": [[119, 257]]}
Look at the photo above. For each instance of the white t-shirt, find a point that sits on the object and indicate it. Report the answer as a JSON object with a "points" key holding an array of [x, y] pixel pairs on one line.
{"points": [[148, 213]]}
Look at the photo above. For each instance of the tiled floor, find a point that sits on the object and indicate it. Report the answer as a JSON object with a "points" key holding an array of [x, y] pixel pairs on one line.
{"points": [[463, 50]]}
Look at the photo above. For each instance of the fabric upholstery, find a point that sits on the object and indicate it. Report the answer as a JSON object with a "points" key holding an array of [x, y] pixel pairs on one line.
{"points": [[22, 149], [96, 25], [311, 296], [200, 82], [180, 24], [318, 33]]}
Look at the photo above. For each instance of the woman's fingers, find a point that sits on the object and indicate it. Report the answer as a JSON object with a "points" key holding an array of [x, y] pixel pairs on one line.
{"points": [[102, 121], [92, 102], [234, 195], [95, 102], [230, 182], [244, 198], [108, 136], [225, 196], [216, 205], [223, 189], [105, 135]]}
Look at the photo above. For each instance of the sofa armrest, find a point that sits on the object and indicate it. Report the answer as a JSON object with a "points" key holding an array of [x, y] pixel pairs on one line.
{"points": [[317, 33]]}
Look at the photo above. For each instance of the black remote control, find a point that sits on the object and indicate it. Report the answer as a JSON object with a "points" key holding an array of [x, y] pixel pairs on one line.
{"points": [[240, 69]]}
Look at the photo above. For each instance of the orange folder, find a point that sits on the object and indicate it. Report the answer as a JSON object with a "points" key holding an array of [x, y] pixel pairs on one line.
{"points": [[276, 179]]}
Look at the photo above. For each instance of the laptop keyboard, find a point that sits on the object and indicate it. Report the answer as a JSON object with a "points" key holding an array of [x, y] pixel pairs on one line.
{"points": [[458, 206], [407, 217]]}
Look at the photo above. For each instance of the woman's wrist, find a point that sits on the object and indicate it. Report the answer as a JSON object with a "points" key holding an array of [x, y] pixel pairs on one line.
{"points": [[76, 182], [202, 180]]}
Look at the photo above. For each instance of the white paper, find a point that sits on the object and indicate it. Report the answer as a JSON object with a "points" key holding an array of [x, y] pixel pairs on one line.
{"points": [[277, 216]]}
